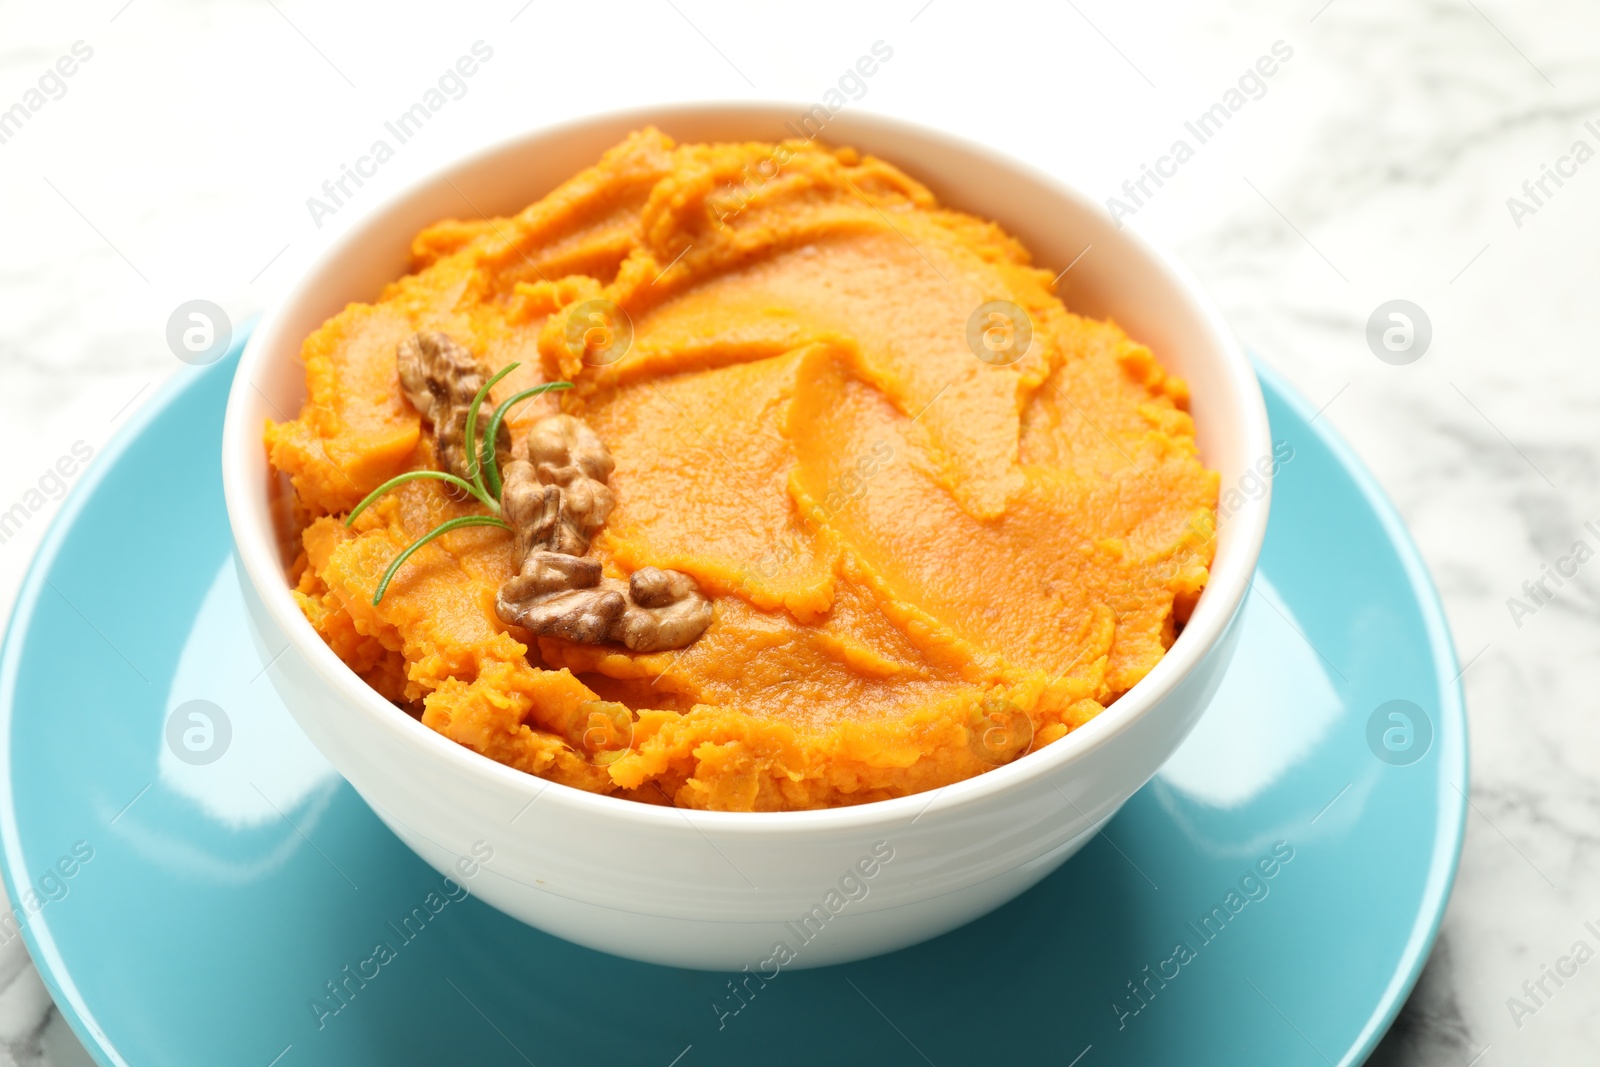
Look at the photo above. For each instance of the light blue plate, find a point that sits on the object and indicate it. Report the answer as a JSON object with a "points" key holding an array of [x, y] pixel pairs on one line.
{"points": [[218, 900]]}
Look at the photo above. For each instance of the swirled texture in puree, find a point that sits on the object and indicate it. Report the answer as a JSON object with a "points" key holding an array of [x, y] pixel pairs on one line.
{"points": [[899, 538]]}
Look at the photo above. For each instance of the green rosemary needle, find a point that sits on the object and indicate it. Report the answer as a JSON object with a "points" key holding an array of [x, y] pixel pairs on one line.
{"points": [[482, 463]]}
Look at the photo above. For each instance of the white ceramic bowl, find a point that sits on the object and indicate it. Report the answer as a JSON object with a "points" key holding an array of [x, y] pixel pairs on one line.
{"points": [[716, 889]]}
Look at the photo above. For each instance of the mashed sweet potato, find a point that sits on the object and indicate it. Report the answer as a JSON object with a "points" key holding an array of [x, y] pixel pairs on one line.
{"points": [[922, 563]]}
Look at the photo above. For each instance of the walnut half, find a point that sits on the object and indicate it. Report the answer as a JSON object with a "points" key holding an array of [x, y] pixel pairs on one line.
{"points": [[557, 498], [555, 501], [441, 377]]}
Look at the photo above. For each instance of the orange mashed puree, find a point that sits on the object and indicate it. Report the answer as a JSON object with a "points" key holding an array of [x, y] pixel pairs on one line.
{"points": [[911, 552]]}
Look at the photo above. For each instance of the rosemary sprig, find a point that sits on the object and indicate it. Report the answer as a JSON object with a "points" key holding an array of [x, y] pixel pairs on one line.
{"points": [[442, 528], [475, 462], [483, 467], [413, 476], [490, 461]]}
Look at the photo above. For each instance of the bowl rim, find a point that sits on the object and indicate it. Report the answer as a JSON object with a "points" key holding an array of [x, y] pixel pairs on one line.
{"points": [[256, 546]]}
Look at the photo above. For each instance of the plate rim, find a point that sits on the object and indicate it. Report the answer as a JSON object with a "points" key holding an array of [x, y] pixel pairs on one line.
{"points": [[1450, 826], [46, 961], [1452, 714]]}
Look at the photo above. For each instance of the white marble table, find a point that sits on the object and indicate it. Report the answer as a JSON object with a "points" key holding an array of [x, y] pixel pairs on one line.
{"points": [[1376, 163]]}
